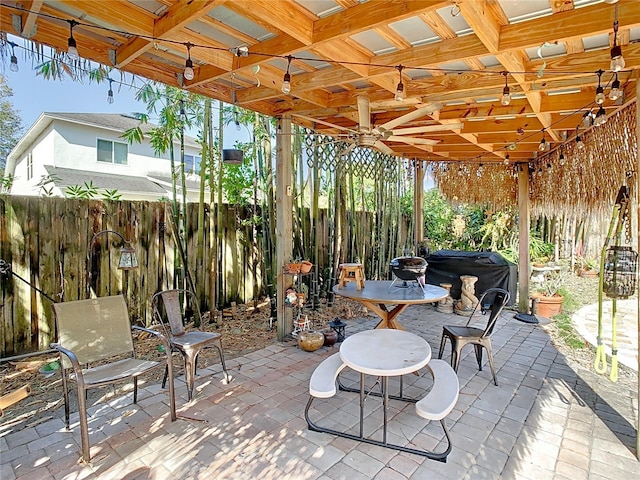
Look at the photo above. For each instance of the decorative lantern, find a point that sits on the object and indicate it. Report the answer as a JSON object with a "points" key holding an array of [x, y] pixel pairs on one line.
{"points": [[620, 272]]}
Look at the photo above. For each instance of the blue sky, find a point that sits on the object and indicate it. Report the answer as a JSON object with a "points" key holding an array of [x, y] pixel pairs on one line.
{"points": [[33, 95]]}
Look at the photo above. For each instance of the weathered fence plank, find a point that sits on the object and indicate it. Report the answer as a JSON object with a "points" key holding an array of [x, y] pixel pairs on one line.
{"points": [[48, 242]]}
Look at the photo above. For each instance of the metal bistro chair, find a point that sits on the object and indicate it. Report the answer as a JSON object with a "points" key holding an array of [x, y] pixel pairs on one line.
{"points": [[168, 309], [94, 338], [480, 338]]}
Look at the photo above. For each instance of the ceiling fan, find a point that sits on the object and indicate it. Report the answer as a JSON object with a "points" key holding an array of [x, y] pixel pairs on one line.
{"points": [[375, 136]]}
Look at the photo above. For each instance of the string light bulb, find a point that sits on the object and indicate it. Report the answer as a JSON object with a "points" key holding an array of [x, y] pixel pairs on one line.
{"points": [[599, 90], [587, 119], [543, 143], [506, 159], [183, 113], [188, 66], [72, 49], [110, 98], [506, 91], [579, 142], [616, 92], [617, 60], [13, 66], [400, 93], [286, 81], [601, 117], [561, 159], [480, 170]]}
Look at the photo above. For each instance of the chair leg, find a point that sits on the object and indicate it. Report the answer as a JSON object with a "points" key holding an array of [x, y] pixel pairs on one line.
{"points": [[135, 389], [491, 364], [442, 342], [65, 392], [189, 372], [227, 377], [455, 356], [84, 424], [166, 374], [478, 349]]}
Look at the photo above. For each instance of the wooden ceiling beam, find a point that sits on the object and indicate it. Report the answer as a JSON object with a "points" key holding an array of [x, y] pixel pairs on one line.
{"points": [[172, 21], [29, 21], [362, 17], [285, 16], [572, 24]]}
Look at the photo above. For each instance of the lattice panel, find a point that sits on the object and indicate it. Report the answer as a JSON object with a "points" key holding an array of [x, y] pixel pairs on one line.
{"points": [[327, 153]]}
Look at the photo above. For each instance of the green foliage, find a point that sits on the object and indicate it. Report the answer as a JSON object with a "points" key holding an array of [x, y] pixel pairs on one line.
{"points": [[566, 333], [438, 215], [5, 183], [47, 184], [86, 191], [112, 195], [496, 231], [10, 123], [237, 180]]}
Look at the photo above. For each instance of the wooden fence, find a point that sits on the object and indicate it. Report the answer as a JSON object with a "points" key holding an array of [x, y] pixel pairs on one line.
{"points": [[46, 241]]}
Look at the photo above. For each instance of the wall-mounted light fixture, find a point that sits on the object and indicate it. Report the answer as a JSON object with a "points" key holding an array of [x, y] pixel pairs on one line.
{"points": [[127, 261]]}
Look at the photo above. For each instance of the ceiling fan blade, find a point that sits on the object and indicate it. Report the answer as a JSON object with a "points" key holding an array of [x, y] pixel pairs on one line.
{"points": [[419, 112], [364, 114], [413, 140], [383, 148], [427, 129], [322, 122]]}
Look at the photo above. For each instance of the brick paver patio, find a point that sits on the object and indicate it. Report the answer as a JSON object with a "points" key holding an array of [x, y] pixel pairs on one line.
{"points": [[548, 419]]}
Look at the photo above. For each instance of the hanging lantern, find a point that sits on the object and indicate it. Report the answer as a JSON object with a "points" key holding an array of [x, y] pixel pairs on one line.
{"points": [[620, 272]]}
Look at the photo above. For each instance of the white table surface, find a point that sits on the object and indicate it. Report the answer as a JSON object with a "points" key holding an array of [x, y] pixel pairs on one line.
{"points": [[385, 352]]}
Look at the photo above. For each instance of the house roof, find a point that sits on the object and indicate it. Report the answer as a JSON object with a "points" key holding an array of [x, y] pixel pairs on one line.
{"points": [[454, 57], [66, 177]]}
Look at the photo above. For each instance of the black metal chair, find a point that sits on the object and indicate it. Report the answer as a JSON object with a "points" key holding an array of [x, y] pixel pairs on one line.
{"points": [[495, 299], [168, 309]]}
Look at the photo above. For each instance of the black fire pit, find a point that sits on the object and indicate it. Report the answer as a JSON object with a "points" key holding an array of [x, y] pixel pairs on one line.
{"points": [[408, 269]]}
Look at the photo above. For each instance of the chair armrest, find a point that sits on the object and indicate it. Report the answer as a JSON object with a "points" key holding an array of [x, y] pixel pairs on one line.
{"points": [[72, 357], [163, 338]]}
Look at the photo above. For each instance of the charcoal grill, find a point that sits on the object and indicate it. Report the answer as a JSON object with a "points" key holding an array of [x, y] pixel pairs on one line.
{"points": [[408, 269]]}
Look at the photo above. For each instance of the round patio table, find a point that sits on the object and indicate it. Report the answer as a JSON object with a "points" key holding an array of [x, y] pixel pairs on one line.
{"points": [[380, 296]]}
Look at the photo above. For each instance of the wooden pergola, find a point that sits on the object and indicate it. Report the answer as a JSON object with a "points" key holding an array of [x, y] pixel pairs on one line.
{"points": [[455, 59]]}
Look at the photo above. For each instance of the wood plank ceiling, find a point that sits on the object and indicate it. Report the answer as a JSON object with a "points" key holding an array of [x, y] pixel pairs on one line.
{"points": [[452, 55]]}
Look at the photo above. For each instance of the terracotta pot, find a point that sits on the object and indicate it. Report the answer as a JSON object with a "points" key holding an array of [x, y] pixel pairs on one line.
{"points": [[330, 338], [292, 268], [548, 306], [305, 267], [589, 273], [310, 341]]}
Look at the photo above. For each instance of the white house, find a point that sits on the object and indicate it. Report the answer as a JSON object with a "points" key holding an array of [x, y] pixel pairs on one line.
{"points": [[69, 149]]}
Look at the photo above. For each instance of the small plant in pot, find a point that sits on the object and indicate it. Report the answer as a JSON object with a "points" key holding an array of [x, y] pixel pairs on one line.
{"points": [[547, 296], [588, 267]]}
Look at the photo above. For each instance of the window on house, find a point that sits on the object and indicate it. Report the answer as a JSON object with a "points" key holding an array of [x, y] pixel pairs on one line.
{"points": [[192, 163], [30, 166], [112, 152]]}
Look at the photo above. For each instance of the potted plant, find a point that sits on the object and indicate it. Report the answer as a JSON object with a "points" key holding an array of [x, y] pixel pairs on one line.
{"points": [[588, 267], [547, 296]]}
